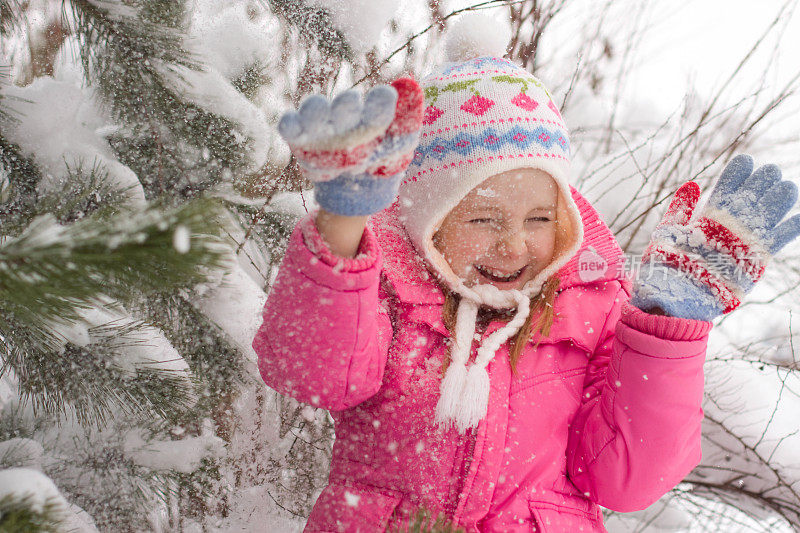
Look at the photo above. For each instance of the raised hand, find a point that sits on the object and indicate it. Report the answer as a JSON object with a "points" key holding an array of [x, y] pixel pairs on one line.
{"points": [[356, 152], [702, 267]]}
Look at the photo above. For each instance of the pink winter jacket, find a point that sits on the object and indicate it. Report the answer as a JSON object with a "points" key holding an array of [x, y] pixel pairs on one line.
{"points": [[606, 411]]}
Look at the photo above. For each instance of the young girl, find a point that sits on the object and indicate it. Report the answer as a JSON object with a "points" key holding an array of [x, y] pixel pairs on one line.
{"points": [[476, 343]]}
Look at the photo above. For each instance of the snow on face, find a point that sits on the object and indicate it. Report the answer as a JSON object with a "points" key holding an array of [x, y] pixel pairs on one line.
{"points": [[503, 232]]}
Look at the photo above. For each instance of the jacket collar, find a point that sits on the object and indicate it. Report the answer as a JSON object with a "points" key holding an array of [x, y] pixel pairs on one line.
{"points": [[405, 270]]}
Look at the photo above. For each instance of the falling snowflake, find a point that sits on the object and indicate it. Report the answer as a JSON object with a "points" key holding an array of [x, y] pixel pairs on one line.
{"points": [[351, 499]]}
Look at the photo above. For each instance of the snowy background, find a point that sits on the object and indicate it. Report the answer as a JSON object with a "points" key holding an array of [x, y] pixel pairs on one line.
{"points": [[653, 92]]}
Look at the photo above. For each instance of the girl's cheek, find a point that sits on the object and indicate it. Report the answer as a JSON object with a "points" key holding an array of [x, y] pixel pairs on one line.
{"points": [[476, 250], [543, 245]]}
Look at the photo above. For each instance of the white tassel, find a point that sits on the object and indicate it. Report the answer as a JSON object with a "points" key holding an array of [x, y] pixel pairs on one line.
{"points": [[456, 376], [470, 404], [464, 394], [474, 399], [466, 317], [451, 388], [492, 343]]}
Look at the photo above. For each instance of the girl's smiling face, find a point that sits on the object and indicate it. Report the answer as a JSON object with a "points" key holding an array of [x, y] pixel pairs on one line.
{"points": [[503, 232]]}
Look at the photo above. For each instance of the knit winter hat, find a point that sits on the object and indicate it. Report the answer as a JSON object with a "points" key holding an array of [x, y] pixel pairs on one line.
{"points": [[484, 116]]}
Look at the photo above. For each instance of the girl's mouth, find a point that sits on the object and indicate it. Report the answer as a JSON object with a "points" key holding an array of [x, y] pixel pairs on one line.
{"points": [[493, 275]]}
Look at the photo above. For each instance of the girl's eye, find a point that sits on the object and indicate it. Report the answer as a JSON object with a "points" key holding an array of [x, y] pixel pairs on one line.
{"points": [[539, 219], [481, 221]]}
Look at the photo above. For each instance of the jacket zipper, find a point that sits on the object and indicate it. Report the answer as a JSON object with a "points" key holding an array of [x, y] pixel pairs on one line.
{"points": [[463, 472]]}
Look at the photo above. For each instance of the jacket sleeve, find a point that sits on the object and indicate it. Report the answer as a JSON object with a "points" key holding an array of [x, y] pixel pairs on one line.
{"points": [[637, 432], [324, 337]]}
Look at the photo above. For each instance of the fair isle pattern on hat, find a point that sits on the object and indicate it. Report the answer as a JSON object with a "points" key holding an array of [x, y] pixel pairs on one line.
{"points": [[492, 140], [477, 63], [486, 110]]}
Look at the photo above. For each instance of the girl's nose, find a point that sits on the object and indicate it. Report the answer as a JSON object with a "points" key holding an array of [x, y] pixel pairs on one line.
{"points": [[513, 244]]}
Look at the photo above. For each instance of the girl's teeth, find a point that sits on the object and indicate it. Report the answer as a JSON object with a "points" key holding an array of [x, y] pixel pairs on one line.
{"points": [[503, 277]]}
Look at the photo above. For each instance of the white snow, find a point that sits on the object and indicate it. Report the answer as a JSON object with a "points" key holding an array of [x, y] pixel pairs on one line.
{"points": [[21, 452], [183, 455], [228, 37], [252, 509], [351, 499], [8, 388], [361, 21], [62, 120], [4, 183], [235, 306], [76, 333], [210, 90], [39, 16], [308, 413], [293, 203], [59, 123], [181, 239], [33, 485], [142, 346]]}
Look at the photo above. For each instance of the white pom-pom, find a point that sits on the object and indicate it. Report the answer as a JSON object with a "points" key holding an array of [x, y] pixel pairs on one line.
{"points": [[476, 35]]}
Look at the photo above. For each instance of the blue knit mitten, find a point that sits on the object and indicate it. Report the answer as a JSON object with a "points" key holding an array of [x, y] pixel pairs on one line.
{"points": [[354, 152], [702, 267]]}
